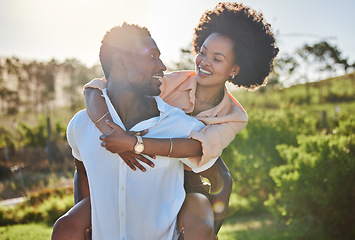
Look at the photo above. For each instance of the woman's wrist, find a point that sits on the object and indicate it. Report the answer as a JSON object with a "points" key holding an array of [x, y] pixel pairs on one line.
{"points": [[131, 142]]}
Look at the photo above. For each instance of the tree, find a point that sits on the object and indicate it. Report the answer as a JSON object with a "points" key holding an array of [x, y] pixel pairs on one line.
{"points": [[47, 74], [78, 74], [285, 66], [186, 61], [327, 57], [10, 98]]}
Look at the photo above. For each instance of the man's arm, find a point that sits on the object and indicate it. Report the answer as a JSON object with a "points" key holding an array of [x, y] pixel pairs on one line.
{"points": [[81, 185]]}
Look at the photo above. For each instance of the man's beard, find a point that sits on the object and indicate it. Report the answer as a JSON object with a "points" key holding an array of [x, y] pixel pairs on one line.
{"points": [[148, 89]]}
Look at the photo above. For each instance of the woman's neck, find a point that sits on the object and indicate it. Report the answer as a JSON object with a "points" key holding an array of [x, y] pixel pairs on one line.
{"points": [[207, 97]]}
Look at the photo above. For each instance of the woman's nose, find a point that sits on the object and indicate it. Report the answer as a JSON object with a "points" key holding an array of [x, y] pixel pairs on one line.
{"points": [[206, 61]]}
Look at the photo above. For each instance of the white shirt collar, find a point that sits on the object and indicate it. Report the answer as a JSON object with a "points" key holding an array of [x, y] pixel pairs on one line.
{"points": [[164, 109]]}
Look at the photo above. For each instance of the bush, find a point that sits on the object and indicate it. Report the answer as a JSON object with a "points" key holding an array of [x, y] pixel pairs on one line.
{"points": [[317, 184], [37, 136], [46, 206], [253, 153]]}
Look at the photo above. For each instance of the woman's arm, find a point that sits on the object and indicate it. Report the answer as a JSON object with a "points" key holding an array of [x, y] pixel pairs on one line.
{"points": [[218, 133], [120, 141], [96, 108]]}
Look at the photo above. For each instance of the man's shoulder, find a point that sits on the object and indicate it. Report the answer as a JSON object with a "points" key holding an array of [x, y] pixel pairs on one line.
{"points": [[81, 115], [176, 114], [168, 109], [79, 120]]}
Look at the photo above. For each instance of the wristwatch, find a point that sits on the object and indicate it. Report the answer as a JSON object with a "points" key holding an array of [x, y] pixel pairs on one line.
{"points": [[139, 147]]}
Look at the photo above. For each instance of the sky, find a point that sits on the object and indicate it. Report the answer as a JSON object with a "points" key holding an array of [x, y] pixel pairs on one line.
{"points": [[60, 29]]}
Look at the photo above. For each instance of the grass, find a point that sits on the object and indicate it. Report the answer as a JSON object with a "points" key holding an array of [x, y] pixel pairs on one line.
{"points": [[256, 227], [33, 231], [251, 227], [341, 87]]}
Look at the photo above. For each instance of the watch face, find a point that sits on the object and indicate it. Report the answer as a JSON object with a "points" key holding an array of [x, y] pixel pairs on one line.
{"points": [[139, 148]]}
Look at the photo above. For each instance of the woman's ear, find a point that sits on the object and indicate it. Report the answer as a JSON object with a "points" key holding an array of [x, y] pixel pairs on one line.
{"points": [[118, 61], [236, 70]]}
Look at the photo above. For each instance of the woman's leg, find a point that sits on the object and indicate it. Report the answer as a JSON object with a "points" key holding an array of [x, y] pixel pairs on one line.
{"points": [[218, 195], [221, 188], [73, 224], [195, 218]]}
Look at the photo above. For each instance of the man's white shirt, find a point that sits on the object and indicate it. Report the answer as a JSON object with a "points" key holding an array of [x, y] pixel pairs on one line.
{"points": [[134, 205]]}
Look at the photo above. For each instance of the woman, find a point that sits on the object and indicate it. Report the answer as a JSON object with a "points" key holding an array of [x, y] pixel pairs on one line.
{"points": [[233, 43]]}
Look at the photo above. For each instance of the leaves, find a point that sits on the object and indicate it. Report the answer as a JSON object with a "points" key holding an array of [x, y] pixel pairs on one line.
{"points": [[318, 180]]}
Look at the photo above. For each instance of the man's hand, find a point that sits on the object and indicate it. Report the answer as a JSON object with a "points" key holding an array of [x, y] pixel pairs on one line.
{"points": [[120, 142]]}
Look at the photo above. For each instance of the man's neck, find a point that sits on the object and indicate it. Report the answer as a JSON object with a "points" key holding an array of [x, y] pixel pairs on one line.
{"points": [[131, 107]]}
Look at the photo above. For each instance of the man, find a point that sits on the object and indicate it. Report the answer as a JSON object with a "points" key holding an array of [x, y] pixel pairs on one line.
{"points": [[129, 204]]}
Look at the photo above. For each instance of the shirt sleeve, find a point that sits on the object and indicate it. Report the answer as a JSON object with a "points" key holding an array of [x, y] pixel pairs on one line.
{"points": [[215, 137], [200, 168], [71, 138], [99, 83]]}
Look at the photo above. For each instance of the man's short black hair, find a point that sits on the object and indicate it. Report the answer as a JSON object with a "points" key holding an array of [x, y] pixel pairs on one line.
{"points": [[123, 37], [254, 43]]}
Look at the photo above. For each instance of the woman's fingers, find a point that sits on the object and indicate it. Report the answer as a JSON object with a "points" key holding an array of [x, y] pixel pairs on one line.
{"points": [[137, 164], [127, 161], [112, 124], [145, 160], [133, 161], [151, 156]]}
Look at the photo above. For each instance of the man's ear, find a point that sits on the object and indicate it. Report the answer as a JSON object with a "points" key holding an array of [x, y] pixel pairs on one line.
{"points": [[118, 61]]}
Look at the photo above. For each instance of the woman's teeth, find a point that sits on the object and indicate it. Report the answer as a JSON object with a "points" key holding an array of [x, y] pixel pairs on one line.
{"points": [[205, 72]]}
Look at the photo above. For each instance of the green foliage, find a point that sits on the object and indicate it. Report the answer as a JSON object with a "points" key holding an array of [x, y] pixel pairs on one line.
{"points": [[26, 232], [32, 86], [255, 227], [33, 136], [46, 206], [321, 94], [7, 139], [258, 227], [253, 153], [186, 60], [316, 184], [37, 136]]}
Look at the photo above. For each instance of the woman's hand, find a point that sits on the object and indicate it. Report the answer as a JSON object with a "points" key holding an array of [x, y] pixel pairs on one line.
{"points": [[118, 140], [131, 159], [122, 142]]}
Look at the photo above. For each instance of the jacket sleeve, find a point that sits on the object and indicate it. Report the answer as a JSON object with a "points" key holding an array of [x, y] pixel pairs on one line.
{"points": [[215, 137], [171, 81]]}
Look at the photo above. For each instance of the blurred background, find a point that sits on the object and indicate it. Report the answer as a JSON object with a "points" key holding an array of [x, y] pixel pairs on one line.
{"points": [[293, 166]]}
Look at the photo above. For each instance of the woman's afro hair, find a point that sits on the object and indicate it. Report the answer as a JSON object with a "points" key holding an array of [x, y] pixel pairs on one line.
{"points": [[254, 43]]}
